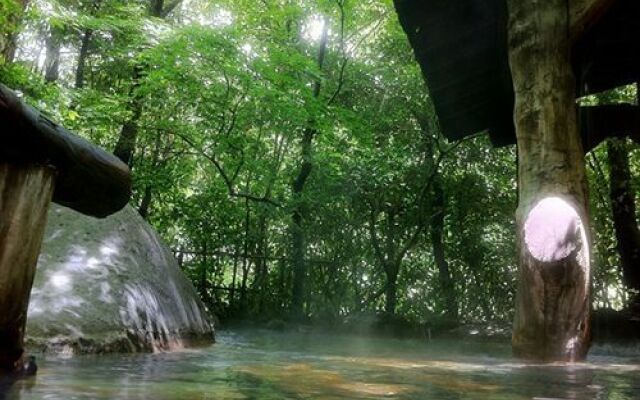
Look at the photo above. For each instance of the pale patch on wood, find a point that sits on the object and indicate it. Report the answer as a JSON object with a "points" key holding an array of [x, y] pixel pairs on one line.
{"points": [[553, 230]]}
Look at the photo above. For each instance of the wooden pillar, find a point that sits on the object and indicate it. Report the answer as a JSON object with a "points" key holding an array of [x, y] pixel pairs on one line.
{"points": [[553, 300], [25, 195]]}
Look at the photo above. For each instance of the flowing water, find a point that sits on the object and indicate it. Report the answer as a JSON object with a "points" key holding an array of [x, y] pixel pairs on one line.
{"points": [[268, 365]]}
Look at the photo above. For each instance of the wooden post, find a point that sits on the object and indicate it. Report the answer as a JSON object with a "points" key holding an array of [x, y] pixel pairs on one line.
{"points": [[553, 300], [25, 195]]}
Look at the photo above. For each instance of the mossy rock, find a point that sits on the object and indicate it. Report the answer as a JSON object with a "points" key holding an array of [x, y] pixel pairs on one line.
{"points": [[105, 285]]}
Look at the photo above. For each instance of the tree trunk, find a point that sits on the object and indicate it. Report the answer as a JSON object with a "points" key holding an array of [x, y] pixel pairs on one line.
{"points": [[145, 204], [204, 284], [624, 213], [180, 259], [52, 59], [391, 290], [298, 246], [260, 278], [553, 301], [25, 196], [126, 145], [82, 58], [85, 45], [156, 7], [243, 285], [245, 258], [447, 286], [232, 291], [297, 230], [9, 43], [147, 197]]}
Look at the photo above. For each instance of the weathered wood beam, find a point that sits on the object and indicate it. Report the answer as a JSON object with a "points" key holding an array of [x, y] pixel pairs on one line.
{"points": [[90, 180], [25, 195], [553, 301]]}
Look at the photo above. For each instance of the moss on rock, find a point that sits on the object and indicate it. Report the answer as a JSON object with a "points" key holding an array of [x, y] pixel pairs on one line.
{"points": [[111, 285]]}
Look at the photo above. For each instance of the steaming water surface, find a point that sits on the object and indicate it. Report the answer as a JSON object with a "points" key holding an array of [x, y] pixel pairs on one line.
{"points": [[268, 365]]}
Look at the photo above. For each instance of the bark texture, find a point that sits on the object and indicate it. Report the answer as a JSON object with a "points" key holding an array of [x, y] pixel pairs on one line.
{"points": [[25, 195], [552, 304]]}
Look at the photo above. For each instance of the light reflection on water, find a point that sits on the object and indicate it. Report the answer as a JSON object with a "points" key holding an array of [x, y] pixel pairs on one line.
{"points": [[268, 365]]}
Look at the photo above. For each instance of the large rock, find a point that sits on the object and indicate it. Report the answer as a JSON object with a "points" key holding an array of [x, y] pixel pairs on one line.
{"points": [[110, 285]]}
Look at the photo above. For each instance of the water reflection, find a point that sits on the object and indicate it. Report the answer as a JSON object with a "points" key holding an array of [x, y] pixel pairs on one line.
{"points": [[267, 365]]}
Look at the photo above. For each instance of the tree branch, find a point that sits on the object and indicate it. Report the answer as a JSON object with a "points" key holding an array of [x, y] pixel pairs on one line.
{"points": [[227, 181]]}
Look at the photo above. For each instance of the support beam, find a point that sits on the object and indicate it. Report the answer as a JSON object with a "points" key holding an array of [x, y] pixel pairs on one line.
{"points": [[25, 195], [552, 304], [89, 180]]}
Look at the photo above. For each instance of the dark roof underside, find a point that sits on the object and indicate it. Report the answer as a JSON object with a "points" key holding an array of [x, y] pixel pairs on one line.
{"points": [[461, 46]]}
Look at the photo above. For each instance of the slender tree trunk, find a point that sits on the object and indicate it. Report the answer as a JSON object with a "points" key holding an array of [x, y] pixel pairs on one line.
{"points": [[203, 284], [147, 197], [391, 290], [391, 263], [624, 213], [180, 259], [447, 286], [260, 279], [9, 46], [25, 194], [52, 59], [232, 292], [246, 265], [297, 229], [82, 58], [126, 145], [9, 43], [553, 301], [156, 8], [85, 45], [283, 283], [145, 204], [245, 258], [298, 245], [475, 266]]}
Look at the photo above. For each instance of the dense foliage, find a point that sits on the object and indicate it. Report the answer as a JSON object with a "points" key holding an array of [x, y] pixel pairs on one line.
{"points": [[288, 152]]}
